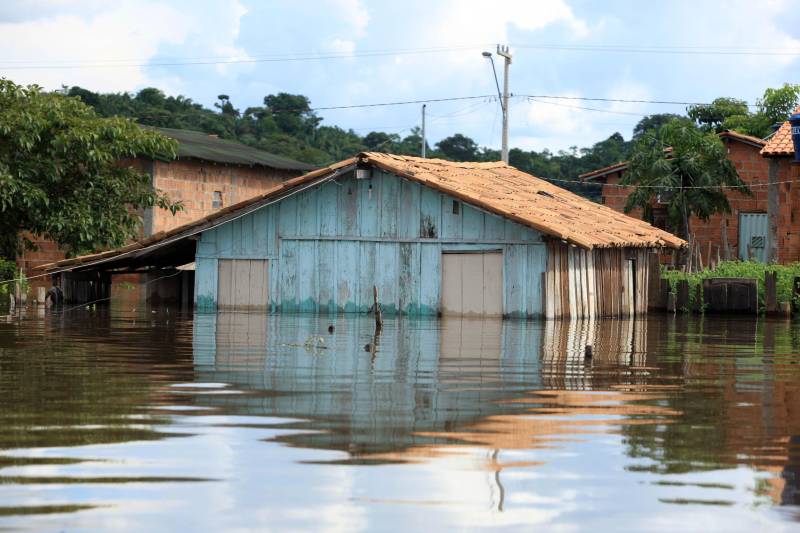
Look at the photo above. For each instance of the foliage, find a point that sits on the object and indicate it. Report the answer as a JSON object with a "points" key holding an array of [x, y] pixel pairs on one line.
{"points": [[9, 272], [686, 179], [458, 147], [712, 116], [743, 270], [60, 172], [772, 108]]}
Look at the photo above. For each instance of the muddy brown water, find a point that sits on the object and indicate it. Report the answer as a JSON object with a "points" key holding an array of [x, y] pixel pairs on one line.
{"points": [[149, 421]]}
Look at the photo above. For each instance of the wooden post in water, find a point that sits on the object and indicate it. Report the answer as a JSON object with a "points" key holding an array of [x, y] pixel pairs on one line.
{"points": [[377, 307], [771, 292]]}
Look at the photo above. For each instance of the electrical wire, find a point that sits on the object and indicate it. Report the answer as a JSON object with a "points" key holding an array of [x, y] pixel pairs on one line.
{"points": [[671, 50], [665, 187], [57, 64]]}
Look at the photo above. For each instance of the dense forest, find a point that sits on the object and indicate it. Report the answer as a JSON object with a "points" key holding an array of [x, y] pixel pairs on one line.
{"points": [[287, 125]]}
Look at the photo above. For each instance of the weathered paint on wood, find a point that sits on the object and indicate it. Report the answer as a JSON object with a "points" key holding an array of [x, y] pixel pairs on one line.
{"points": [[329, 245], [598, 283]]}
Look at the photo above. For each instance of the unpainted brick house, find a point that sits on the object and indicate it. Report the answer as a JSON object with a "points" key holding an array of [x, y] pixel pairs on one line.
{"points": [[784, 195], [744, 232], [208, 174]]}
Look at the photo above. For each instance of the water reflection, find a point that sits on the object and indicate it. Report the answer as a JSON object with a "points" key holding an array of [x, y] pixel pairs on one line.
{"points": [[241, 421]]}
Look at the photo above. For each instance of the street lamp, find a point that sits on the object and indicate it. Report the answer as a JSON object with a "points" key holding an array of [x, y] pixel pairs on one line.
{"points": [[506, 55]]}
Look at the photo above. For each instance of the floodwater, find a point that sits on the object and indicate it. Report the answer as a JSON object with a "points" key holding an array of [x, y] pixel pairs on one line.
{"points": [[148, 421]]}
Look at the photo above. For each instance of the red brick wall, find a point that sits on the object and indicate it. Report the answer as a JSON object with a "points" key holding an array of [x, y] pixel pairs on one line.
{"points": [[194, 182], [191, 181], [754, 170], [789, 212]]}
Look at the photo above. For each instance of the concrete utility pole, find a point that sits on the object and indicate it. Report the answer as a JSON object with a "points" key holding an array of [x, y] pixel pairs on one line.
{"points": [[505, 54], [423, 131]]}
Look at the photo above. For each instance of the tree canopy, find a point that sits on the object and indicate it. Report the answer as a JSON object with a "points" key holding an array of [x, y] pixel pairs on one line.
{"points": [[62, 174], [731, 114]]}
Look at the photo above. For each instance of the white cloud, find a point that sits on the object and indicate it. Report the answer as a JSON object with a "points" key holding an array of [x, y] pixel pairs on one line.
{"points": [[353, 15], [89, 33], [342, 46], [127, 31]]}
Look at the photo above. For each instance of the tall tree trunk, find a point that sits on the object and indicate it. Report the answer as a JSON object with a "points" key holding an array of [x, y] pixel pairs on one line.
{"points": [[683, 253]]}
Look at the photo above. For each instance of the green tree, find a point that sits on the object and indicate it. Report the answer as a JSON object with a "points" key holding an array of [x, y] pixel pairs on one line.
{"points": [[293, 114], [777, 104], [378, 141], [652, 123], [690, 177], [62, 172], [710, 117], [458, 147]]}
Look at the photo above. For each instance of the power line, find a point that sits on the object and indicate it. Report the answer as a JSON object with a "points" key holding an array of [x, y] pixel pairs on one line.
{"points": [[530, 99], [57, 64], [621, 100], [673, 50], [120, 63], [666, 187], [402, 102]]}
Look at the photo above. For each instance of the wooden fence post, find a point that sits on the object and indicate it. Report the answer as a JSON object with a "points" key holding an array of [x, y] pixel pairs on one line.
{"points": [[771, 292], [682, 302], [378, 314]]}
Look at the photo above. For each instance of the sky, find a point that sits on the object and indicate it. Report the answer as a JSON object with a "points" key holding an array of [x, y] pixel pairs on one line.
{"points": [[353, 52]]}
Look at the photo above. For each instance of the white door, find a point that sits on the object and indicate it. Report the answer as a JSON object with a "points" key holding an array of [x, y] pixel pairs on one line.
{"points": [[472, 284], [243, 284]]}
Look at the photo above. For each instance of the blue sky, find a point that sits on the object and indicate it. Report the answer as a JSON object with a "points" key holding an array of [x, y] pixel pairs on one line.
{"points": [[134, 35]]}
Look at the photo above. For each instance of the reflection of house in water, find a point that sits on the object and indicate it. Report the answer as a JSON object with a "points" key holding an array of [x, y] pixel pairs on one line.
{"points": [[616, 347], [403, 389], [684, 398]]}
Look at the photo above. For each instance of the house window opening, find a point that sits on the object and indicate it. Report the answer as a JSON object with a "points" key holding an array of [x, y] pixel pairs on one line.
{"points": [[216, 203]]}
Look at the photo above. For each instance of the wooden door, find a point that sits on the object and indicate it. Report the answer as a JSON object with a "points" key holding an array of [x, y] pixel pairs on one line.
{"points": [[243, 284], [472, 284]]}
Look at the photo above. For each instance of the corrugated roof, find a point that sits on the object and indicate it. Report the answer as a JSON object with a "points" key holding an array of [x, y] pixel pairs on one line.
{"points": [[494, 187], [780, 144], [199, 145]]}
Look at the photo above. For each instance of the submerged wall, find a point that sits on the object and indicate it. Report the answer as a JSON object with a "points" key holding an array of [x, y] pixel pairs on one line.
{"points": [[326, 247]]}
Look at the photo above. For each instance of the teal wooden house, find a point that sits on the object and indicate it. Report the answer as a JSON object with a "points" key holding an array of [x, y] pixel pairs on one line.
{"points": [[429, 236]]}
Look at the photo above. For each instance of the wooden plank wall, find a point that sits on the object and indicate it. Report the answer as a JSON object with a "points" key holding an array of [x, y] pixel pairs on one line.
{"points": [[607, 282], [327, 246]]}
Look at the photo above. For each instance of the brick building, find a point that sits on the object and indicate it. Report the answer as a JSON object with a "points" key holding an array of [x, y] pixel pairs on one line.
{"points": [[784, 172], [208, 174], [741, 234]]}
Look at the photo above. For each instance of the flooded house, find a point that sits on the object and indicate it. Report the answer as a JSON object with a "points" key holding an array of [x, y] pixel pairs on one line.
{"points": [[420, 236], [208, 174]]}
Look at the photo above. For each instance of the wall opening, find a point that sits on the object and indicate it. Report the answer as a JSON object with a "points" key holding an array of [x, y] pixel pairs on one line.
{"points": [[216, 201]]}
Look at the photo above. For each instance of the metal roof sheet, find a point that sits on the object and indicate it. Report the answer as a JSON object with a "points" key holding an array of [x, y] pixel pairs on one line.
{"points": [[199, 145]]}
